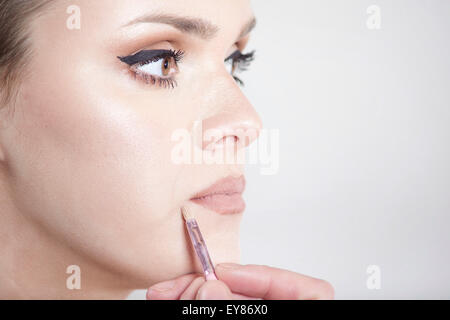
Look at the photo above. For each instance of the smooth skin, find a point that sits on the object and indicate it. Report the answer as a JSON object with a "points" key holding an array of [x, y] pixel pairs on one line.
{"points": [[86, 173]]}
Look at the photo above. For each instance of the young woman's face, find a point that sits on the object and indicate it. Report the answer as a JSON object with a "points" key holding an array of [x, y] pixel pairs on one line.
{"points": [[89, 146]]}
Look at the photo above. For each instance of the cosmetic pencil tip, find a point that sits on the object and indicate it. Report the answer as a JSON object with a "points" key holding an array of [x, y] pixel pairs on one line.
{"points": [[186, 214]]}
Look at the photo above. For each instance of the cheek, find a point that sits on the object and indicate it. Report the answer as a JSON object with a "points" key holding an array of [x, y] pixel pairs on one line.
{"points": [[96, 173], [97, 143]]}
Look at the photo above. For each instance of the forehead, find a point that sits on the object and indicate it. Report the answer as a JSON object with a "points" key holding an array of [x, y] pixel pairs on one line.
{"points": [[102, 21], [115, 13]]}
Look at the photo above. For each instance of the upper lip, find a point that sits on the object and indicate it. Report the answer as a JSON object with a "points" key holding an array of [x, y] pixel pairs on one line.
{"points": [[226, 186]]}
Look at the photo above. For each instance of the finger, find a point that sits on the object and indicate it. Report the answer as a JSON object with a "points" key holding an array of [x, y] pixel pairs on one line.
{"points": [[272, 283], [238, 296], [186, 288], [191, 291], [214, 290], [171, 289]]}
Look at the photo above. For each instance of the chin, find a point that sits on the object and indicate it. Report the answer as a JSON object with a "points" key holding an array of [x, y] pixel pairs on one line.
{"points": [[158, 257]]}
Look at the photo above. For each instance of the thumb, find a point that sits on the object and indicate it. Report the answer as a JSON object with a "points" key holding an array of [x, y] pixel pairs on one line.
{"points": [[214, 290]]}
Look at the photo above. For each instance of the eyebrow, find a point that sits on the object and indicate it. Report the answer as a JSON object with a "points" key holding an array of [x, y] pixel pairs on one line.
{"points": [[197, 26]]}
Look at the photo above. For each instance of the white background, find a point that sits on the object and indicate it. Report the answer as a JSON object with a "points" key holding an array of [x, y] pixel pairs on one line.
{"points": [[364, 122]]}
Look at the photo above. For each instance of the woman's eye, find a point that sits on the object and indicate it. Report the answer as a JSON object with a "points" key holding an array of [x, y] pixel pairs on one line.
{"points": [[161, 68], [155, 66], [238, 61]]}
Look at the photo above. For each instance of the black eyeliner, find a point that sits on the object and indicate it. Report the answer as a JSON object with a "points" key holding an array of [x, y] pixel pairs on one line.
{"points": [[149, 55]]}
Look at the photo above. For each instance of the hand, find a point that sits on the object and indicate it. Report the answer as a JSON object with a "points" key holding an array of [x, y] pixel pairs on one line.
{"points": [[243, 282]]}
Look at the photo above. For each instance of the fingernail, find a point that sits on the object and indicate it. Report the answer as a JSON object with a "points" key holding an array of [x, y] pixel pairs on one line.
{"points": [[228, 265], [163, 286]]}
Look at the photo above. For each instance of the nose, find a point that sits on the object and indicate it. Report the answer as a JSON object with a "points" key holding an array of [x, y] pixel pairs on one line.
{"points": [[231, 117]]}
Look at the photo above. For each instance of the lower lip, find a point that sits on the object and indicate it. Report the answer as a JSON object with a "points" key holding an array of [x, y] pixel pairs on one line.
{"points": [[222, 203]]}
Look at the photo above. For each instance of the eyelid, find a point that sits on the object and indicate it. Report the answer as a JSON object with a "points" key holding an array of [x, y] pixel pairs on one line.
{"points": [[150, 55]]}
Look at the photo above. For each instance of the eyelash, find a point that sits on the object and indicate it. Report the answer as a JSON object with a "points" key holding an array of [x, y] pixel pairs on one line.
{"points": [[239, 61]]}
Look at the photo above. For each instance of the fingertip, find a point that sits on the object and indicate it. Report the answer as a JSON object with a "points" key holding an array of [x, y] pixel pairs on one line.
{"points": [[160, 290], [171, 289], [326, 290], [214, 290]]}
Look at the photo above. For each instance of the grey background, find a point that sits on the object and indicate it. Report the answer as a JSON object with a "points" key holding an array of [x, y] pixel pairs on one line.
{"points": [[364, 176]]}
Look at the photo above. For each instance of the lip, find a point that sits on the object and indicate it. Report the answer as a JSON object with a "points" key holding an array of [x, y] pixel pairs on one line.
{"points": [[224, 196]]}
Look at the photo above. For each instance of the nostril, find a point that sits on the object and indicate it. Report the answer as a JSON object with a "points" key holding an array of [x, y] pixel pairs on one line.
{"points": [[228, 141]]}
